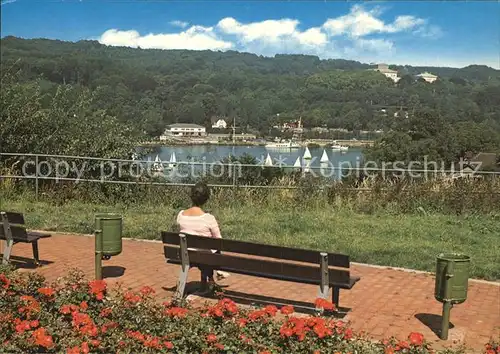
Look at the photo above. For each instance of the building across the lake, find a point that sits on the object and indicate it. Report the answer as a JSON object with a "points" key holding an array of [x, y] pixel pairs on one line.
{"points": [[183, 129], [427, 77], [237, 137], [391, 74], [218, 123]]}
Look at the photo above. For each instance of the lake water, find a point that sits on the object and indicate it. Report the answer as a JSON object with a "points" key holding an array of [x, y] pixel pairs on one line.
{"points": [[281, 157]]}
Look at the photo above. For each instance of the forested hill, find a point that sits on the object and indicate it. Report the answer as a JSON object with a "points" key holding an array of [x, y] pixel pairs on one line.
{"points": [[152, 88]]}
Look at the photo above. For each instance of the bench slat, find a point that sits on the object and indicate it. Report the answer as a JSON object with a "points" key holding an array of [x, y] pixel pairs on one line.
{"points": [[15, 218], [259, 267], [18, 234], [250, 248]]}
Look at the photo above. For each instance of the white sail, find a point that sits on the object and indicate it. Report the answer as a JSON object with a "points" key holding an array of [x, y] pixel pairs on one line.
{"points": [[172, 158], [307, 167], [297, 163], [324, 157], [268, 161], [307, 154], [157, 159]]}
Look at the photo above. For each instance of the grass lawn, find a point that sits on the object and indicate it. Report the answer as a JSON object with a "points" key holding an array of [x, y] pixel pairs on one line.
{"points": [[410, 241]]}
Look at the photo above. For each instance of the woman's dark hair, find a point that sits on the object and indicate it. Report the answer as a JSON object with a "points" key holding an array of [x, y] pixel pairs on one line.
{"points": [[200, 194]]}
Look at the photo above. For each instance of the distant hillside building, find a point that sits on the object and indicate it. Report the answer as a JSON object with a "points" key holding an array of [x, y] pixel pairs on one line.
{"points": [[391, 74], [427, 77], [218, 123], [184, 129]]}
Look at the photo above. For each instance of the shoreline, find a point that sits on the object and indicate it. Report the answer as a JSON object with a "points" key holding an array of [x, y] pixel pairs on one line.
{"points": [[310, 143]]}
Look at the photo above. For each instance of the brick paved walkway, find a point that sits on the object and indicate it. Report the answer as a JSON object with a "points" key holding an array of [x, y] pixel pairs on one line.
{"points": [[386, 302]]}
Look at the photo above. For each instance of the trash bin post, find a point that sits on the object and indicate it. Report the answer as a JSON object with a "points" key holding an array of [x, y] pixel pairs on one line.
{"points": [[98, 254]]}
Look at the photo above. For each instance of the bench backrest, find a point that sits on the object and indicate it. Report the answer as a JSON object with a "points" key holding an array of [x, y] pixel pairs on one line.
{"points": [[281, 262], [12, 226]]}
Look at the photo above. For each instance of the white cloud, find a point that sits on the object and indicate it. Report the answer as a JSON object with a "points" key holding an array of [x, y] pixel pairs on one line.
{"points": [[374, 45], [180, 24], [5, 2], [194, 38], [361, 33], [432, 31], [361, 22]]}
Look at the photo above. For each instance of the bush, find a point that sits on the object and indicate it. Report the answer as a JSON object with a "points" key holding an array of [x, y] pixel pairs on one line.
{"points": [[79, 316]]}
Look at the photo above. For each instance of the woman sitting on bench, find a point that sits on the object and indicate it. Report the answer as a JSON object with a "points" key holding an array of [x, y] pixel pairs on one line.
{"points": [[194, 221]]}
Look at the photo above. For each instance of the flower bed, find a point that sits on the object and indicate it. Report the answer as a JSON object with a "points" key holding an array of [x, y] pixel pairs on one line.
{"points": [[78, 316]]}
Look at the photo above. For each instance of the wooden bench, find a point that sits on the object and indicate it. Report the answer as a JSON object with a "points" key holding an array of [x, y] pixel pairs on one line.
{"points": [[13, 231], [327, 270]]}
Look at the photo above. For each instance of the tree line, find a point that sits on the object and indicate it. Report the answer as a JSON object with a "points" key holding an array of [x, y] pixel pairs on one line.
{"points": [[68, 97]]}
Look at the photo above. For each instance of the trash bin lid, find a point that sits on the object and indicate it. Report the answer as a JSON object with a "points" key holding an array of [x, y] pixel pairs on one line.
{"points": [[108, 216], [455, 257]]}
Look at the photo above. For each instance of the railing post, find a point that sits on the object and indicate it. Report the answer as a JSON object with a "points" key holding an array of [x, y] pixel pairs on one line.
{"points": [[234, 175], [36, 178]]}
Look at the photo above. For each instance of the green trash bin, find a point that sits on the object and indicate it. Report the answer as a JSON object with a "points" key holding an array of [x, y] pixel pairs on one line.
{"points": [[452, 277], [452, 281], [111, 229]]}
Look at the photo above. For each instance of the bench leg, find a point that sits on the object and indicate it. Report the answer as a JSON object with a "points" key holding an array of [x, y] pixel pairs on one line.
{"points": [[7, 251], [34, 246], [323, 291], [181, 284], [336, 296]]}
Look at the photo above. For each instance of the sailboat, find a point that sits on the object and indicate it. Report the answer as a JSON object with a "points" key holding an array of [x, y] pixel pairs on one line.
{"points": [[307, 154], [337, 147], [307, 167], [324, 157], [173, 161], [157, 165], [297, 163], [268, 161]]}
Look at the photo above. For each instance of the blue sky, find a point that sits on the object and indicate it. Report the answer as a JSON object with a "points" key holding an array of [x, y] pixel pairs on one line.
{"points": [[415, 33]]}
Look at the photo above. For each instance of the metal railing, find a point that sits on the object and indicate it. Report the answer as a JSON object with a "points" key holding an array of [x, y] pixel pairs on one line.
{"points": [[231, 171]]}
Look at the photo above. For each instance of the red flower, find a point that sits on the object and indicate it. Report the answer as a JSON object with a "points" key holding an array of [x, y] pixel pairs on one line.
{"points": [[97, 288], [67, 309], [176, 312], [4, 281], [168, 345], [131, 297], [271, 310], [147, 290], [74, 350], [242, 322], [287, 310], [32, 306], [47, 291], [257, 314], [95, 342], [348, 334], [403, 345], [416, 338], [85, 348], [286, 331], [324, 304], [219, 346], [265, 352], [321, 331], [42, 338], [211, 338], [389, 350], [105, 312], [153, 342], [84, 305], [22, 326], [34, 324]]}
